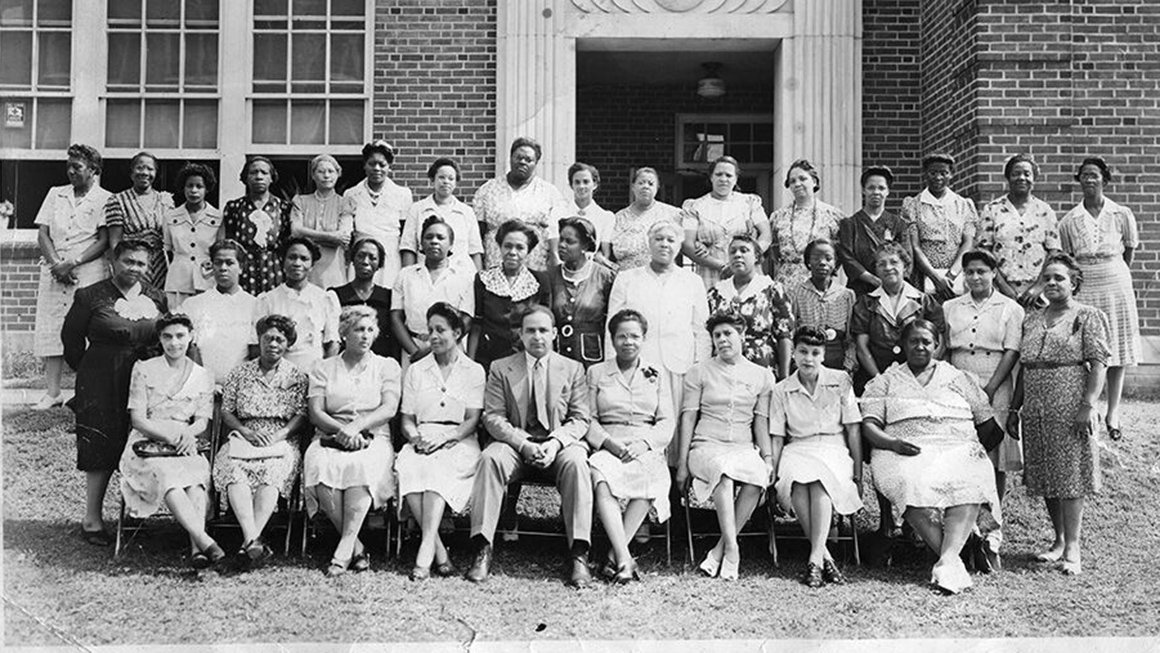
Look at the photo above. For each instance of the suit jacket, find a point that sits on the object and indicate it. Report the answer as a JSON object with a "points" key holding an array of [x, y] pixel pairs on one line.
{"points": [[505, 401]]}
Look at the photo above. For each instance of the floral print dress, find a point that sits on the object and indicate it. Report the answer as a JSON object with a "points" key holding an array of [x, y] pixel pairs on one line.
{"points": [[261, 232], [767, 312], [1019, 241]]}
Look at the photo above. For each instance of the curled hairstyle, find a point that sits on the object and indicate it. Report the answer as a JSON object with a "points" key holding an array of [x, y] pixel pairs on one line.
{"points": [[805, 165], [627, 315], [88, 154], [578, 167], [642, 170], [725, 159], [358, 244], [139, 155], [982, 256], [746, 238], [814, 244], [447, 312], [893, 247], [915, 325], [352, 315], [169, 319], [319, 160], [227, 244], [524, 141], [434, 220], [810, 335], [285, 325], [877, 171], [1097, 161], [1017, 159], [315, 251], [381, 147], [584, 231], [191, 169], [667, 226], [732, 318], [441, 162], [251, 160], [1073, 269], [132, 244], [517, 225]]}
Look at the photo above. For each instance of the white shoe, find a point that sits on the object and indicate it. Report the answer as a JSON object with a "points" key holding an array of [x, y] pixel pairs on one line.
{"points": [[730, 569], [951, 577], [711, 565], [49, 401]]}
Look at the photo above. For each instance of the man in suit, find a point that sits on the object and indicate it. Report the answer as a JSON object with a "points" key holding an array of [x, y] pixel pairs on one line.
{"points": [[536, 409]]}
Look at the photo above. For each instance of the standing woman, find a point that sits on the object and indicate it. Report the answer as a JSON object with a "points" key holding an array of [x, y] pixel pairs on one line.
{"points": [[724, 439], [503, 292], [860, 235], [521, 196], [139, 212], [819, 301], [72, 237], [1019, 229], [317, 216], [444, 176], [711, 221], [944, 225], [109, 327], [761, 301], [260, 223], [580, 289], [1064, 355], [629, 245], [984, 329], [442, 403], [314, 311], [799, 223], [347, 469], [584, 180], [367, 257], [1101, 235], [378, 207], [188, 232]]}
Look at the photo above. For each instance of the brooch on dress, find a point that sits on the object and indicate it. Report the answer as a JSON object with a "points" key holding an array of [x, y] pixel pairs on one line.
{"points": [[650, 374], [137, 308], [262, 223]]}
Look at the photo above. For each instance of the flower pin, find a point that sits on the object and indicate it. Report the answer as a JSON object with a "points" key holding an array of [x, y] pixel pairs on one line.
{"points": [[650, 374]]}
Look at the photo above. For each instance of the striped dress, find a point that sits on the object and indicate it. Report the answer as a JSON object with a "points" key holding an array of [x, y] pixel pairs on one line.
{"points": [[140, 216]]}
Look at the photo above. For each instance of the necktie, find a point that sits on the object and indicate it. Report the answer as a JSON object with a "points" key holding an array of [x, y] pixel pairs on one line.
{"points": [[538, 392]]}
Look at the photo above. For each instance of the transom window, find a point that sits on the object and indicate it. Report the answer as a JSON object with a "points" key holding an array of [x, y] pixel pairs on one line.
{"points": [[310, 78], [703, 138], [35, 73]]}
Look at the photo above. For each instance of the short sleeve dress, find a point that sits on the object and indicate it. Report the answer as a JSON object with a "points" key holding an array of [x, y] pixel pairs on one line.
{"points": [[179, 394], [265, 404], [260, 231], [767, 312], [141, 216], [496, 202], [323, 214], [1059, 462], [439, 406], [794, 228], [716, 221], [348, 394], [1019, 241], [630, 233], [729, 397]]}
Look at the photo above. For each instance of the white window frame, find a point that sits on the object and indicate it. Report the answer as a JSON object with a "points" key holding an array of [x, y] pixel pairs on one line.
{"points": [[35, 94]]}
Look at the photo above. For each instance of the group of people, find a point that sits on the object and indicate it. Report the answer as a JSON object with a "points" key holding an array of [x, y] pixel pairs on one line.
{"points": [[435, 353]]}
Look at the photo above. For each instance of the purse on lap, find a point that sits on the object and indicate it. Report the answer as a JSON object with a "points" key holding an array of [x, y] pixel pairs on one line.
{"points": [[154, 449], [242, 449]]}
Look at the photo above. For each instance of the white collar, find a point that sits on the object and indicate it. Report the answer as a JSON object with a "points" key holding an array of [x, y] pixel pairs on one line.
{"points": [[908, 291]]}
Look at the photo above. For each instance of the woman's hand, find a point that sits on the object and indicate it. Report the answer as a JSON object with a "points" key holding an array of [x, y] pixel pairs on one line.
{"points": [[350, 438], [683, 478], [942, 285], [421, 352], [429, 443], [1083, 417], [700, 249], [904, 448], [1013, 424], [185, 443], [633, 451], [770, 470], [62, 270], [990, 390]]}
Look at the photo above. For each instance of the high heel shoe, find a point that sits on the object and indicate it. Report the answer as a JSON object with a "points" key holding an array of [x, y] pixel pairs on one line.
{"points": [[831, 574], [207, 557], [626, 573], [711, 565], [337, 567], [813, 576], [730, 569]]}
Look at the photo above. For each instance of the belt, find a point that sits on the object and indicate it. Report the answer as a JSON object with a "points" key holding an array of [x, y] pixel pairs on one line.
{"points": [[1096, 258], [444, 422], [1050, 366], [623, 423]]}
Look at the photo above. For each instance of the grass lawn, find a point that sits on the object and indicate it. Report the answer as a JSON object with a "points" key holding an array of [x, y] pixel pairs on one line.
{"points": [[60, 591]]}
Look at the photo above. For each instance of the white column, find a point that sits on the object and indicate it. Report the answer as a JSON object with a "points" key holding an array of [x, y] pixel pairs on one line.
{"points": [[235, 55], [536, 84], [89, 73]]}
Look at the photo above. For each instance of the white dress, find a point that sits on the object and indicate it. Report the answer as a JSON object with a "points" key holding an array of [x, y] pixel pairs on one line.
{"points": [[440, 405], [349, 394]]}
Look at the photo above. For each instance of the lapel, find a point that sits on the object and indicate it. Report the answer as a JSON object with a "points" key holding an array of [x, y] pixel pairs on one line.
{"points": [[518, 377], [551, 388]]}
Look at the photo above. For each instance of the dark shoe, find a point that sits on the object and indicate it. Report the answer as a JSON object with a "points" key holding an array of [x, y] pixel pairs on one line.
{"points": [[361, 562], [257, 552], [813, 576], [1115, 434], [976, 549], [444, 569], [626, 573], [481, 566], [580, 577], [337, 567], [608, 569], [831, 574], [100, 537], [420, 573], [207, 557]]}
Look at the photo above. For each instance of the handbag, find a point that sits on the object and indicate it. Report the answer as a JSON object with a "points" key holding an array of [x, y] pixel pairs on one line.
{"points": [[990, 434], [242, 449], [153, 449], [331, 442]]}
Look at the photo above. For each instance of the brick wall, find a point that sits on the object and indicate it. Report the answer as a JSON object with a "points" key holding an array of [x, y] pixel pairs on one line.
{"points": [[435, 87], [19, 277], [892, 92]]}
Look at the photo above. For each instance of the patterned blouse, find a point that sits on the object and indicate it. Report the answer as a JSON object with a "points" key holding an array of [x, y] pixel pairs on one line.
{"points": [[260, 231], [265, 403], [141, 216], [496, 202], [793, 229], [715, 222], [1019, 241], [630, 233], [1104, 236], [767, 312], [941, 224]]}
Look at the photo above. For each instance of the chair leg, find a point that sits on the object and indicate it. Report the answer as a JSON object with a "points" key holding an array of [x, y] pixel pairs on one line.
{"points": [[854, 536], [772, 531], [669, 542], [689, 533], [120, 532]]}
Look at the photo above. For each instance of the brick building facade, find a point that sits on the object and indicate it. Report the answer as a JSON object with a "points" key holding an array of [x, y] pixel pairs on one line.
{"points": [[983, 79]]}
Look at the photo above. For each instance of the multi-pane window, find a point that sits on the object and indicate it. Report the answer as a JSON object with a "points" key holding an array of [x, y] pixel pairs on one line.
{"points": [[703, 138], [35, 73], [310, 83], [162, 79]]}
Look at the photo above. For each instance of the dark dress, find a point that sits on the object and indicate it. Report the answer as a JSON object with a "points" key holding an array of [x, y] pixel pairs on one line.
{"points": [[261, 269], [385, 345], [581, 311], [102, 346], [871, 317], [498, 305], [859, 236]]}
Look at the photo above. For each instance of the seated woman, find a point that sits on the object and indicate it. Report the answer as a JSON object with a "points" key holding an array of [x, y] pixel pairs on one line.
{"points": [[442, 402], [263, 411], [724, 438], [170, 404], [347, 469], [924, 419], [632, 423], [819, 469]]}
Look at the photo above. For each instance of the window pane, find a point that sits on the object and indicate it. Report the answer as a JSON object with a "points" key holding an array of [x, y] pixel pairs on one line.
{"points": [[124, 59], [50, 13], [201, 60], [269, 121], [309, 57], [123, 123], [763, 132], [55, 56], [309, 8], [201, 13], [15, 12], [346, 123], [162, 13], [162, 118], [269, 57], [346, 57], [162, 52], [125, 12], [200, 128], [306, 123], [16, 53], [270, 8], [17, 137], [348, 7], [53, 123]]}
